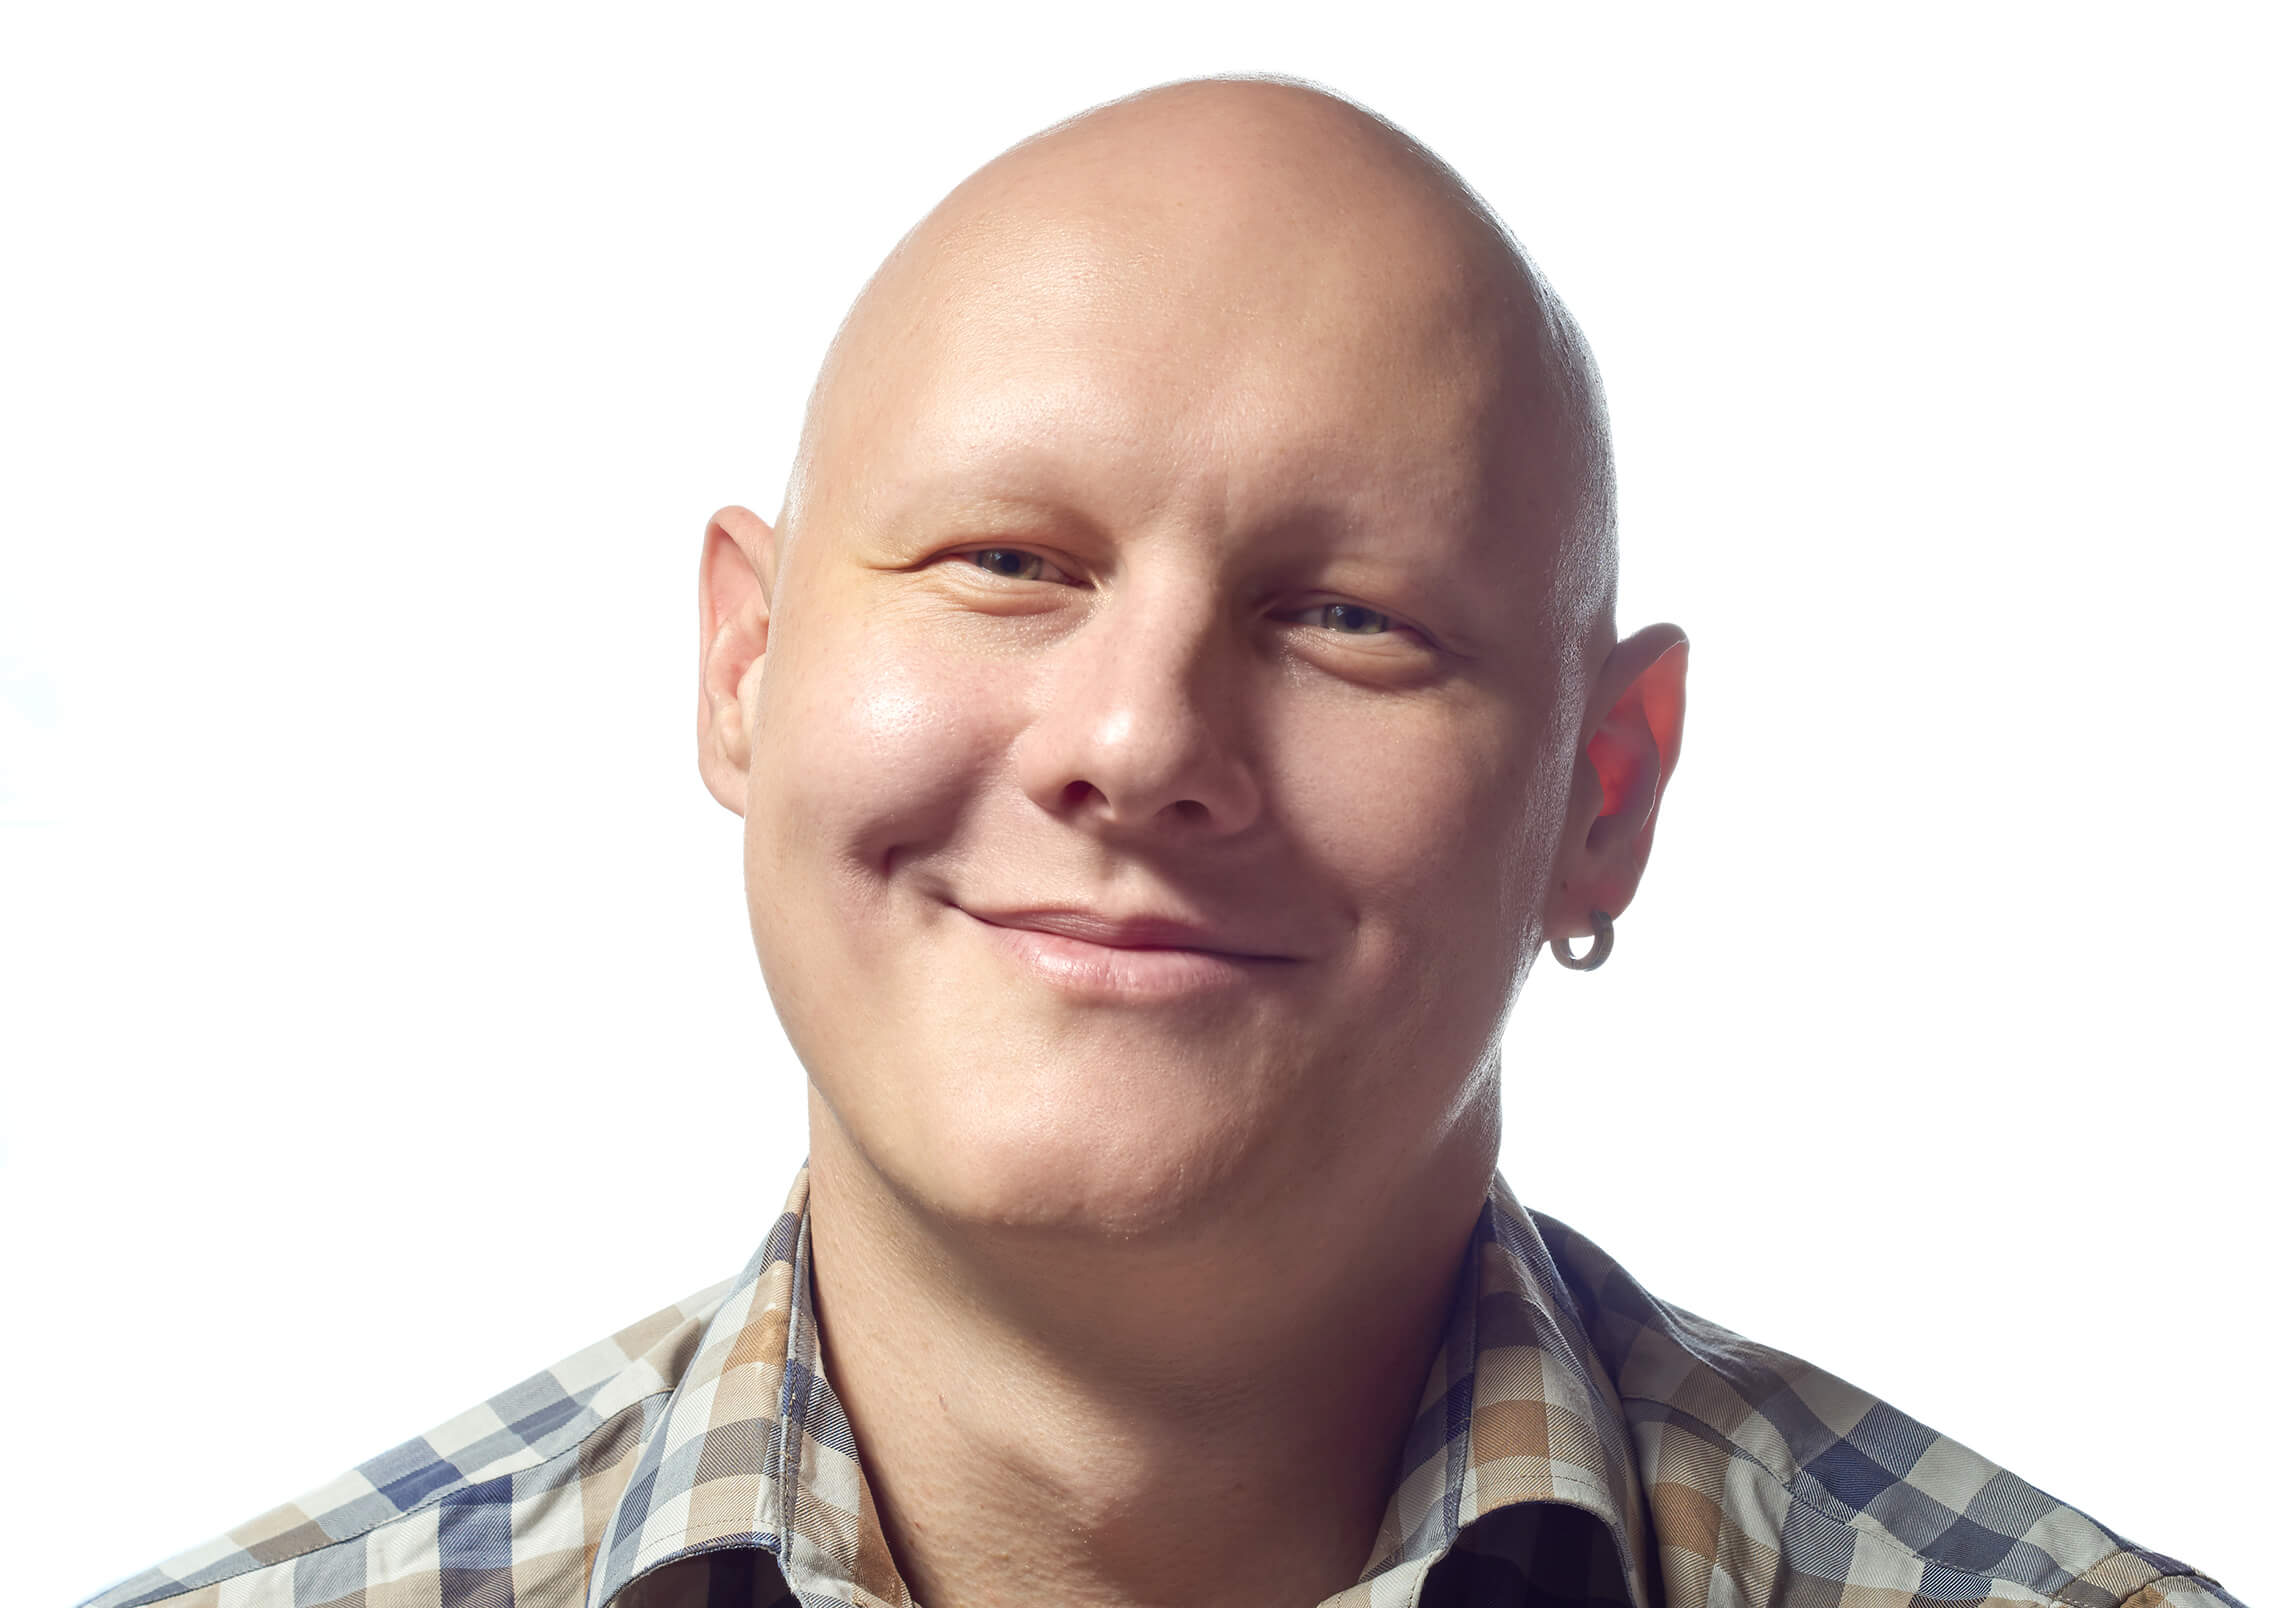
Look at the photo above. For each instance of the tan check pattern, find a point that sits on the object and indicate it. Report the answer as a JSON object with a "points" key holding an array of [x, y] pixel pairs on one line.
{"points": [[1579, 1445]]}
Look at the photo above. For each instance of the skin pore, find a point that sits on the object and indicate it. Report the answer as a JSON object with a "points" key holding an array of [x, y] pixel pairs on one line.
{"points": [[1203, 515]]}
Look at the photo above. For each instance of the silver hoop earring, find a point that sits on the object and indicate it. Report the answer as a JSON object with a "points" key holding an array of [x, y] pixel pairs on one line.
{"points": [[1602, 945]]}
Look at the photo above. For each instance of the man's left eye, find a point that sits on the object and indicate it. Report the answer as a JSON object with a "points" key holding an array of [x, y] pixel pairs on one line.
{"points": [[1347, 619]]}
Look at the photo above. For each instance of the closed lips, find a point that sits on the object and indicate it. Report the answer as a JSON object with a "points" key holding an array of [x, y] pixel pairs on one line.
{"points": [[1125, 932]]}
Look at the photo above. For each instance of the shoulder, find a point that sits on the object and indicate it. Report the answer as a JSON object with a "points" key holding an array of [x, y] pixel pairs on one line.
{"points": [[506, 1501], [1769, 1480]]}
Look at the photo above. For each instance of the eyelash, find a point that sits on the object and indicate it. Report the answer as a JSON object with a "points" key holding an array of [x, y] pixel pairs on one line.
{"points": [[1389, 627]]}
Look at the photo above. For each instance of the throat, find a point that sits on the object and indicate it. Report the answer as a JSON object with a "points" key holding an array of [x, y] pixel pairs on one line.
{"points": [[1142, 1432]]}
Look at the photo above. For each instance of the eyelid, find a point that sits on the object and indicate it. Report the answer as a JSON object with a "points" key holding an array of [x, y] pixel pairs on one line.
{"points": [[1042, 557]]}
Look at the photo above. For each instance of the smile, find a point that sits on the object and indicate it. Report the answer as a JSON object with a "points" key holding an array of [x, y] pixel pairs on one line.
{"points": [[1127, 971]]}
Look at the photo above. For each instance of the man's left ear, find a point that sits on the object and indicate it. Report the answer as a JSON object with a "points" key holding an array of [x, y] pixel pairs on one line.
{"points": [[1627, 752]]}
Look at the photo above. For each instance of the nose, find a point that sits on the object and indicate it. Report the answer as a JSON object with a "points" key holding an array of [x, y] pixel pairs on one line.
{"points": [[1142, 722]]}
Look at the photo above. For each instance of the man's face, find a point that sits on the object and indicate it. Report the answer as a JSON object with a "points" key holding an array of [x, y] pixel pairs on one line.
{"points": [[1206, 588]]}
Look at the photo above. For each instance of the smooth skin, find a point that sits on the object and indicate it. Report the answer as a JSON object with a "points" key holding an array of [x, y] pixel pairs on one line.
{"points": [[1203, 513]]}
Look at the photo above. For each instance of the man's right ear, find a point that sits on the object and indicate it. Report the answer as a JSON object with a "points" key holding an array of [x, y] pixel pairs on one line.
{"points": [[733, 580]]}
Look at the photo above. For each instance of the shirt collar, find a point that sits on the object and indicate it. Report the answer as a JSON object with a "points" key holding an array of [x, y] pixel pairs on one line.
{"points": [[1518, 1410], [754, 1450]]}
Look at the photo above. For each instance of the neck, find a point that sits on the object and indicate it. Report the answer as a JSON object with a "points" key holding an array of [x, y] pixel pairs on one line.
{"points": [[1213, 1421]]}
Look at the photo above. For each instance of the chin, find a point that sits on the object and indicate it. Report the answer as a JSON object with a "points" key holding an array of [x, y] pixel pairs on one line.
{"points": [[1114, 1172]]}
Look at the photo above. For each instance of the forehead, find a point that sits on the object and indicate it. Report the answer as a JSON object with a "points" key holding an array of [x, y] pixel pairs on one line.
{"points": [[1253, 365]]}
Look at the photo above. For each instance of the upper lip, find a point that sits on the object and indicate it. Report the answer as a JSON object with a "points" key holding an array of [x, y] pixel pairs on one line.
{"points": [[1136, 931]]}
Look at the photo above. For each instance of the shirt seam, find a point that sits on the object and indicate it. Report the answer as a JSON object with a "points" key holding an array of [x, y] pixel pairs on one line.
{"points": [[2189, 1576], [793, 1398]]}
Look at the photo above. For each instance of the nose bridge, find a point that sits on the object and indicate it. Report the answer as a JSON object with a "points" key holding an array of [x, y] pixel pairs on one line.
{"points": [[1144, 719]]}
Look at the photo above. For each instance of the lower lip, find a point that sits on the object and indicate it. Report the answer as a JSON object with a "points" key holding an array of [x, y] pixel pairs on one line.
{"points": [[1099, 969]]}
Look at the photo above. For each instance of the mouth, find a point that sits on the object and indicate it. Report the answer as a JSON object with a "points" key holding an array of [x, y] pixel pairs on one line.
{"points": [[1140, 930], [1131, 958]]}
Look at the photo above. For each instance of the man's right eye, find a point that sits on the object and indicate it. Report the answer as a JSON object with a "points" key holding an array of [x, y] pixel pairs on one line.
{"points": [[1013, 563]]}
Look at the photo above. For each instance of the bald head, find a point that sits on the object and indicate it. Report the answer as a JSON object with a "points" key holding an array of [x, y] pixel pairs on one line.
{"points": [[1229, 225], [1204, 510]]}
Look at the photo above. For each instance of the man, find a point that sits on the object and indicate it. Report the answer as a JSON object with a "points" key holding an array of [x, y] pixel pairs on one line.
{"points": [[1178, 698]]}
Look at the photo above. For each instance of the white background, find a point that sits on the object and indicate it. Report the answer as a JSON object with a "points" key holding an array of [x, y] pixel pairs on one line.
{"points": [[380, 1022]]}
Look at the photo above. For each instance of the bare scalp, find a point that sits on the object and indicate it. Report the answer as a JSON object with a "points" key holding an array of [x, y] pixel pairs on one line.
{"points": [[1236, 205]]}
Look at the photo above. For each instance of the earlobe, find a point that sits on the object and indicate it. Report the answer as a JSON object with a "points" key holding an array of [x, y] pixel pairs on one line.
{"points": [[735, 574]]}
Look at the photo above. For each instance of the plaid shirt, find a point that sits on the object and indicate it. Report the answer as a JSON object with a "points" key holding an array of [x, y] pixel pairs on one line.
{"points": [[1580, 1445]]}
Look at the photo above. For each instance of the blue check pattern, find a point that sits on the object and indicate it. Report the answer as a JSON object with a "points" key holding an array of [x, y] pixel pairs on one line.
{"points": [[1579, 1445]]}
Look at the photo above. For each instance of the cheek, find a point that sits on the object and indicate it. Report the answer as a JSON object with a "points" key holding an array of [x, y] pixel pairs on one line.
{"points": [[1431, 823], [1406, 800], [862, 745]]}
